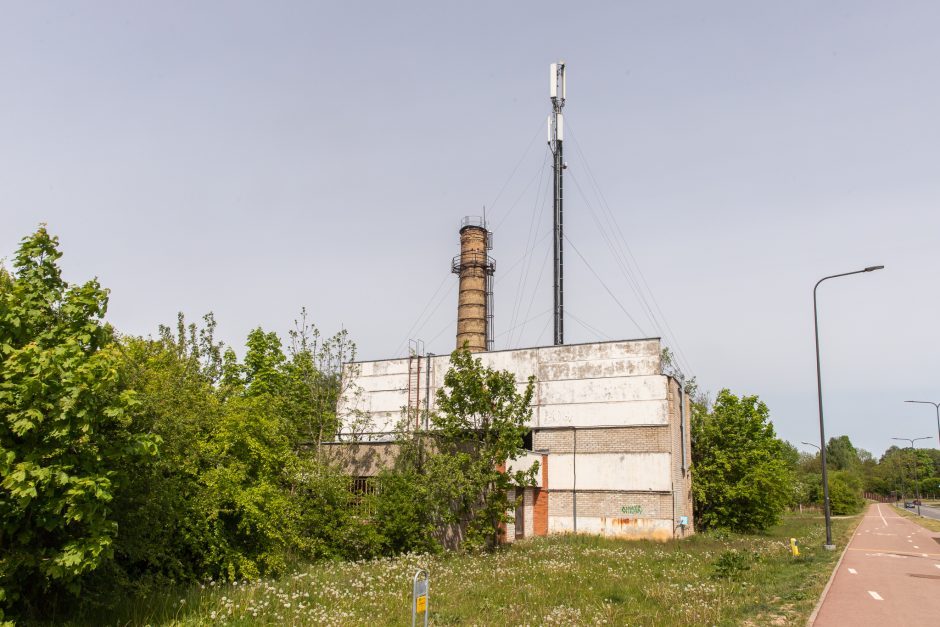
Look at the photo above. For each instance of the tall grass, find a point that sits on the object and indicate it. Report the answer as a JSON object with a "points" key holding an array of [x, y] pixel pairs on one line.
{"points": [[709, 579]]}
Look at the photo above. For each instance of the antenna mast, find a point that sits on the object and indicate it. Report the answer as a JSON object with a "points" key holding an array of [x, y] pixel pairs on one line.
{"points": [[556, 135]]}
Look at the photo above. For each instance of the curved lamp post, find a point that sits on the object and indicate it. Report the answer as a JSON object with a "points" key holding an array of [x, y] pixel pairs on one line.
{"points": [[916, 487], [937, 407], [822, 430]]}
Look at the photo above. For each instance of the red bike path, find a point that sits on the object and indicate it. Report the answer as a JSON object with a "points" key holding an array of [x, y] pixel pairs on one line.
{"points": [[889, 575]]}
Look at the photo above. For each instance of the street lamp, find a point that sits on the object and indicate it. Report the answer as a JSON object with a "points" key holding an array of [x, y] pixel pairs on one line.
{"points": [[937, 407], [822, 430], [815, 446], [916, 487]]}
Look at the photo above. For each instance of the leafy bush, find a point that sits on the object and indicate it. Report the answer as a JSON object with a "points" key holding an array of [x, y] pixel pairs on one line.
{"points": [[741, 478], [479, 428], [402, 514], [845, 493], [65, 428]]}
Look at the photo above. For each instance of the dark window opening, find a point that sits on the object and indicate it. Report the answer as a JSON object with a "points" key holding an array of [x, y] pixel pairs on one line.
{"points": [[527, 441]]}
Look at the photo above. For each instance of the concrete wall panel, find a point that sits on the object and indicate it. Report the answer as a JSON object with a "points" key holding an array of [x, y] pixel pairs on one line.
{"points": [[615, 527], [524, 463], [595, 368], [383, 383], [391, 400], [591, 414], [643, 388], [601, 350], [382, 367], [611, 471]]}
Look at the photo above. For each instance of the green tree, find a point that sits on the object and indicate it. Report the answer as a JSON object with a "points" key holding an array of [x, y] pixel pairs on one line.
{"points": [[313, 380], [841, 454], [741, 478], [161, 537], [264, 363], [65, 426], [460, 468], [845, 493]]}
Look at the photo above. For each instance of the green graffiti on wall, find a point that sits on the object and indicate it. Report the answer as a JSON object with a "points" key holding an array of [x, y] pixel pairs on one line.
{"points": [[631, 509]]}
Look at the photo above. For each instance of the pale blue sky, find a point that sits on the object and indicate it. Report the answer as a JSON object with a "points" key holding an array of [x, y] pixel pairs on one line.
{"points": [[253, 158]]}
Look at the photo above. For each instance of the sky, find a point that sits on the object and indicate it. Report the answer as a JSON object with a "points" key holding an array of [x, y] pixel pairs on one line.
{"points": [[254, 158]]}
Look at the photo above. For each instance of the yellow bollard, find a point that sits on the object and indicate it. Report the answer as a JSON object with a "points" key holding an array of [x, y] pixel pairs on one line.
{"points": [[794, 547]]}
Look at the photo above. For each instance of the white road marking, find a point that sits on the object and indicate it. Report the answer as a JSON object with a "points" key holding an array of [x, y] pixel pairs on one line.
{"points": [[916, 547], [883, 521], [853, 571], [875, 595], [937, 565]]}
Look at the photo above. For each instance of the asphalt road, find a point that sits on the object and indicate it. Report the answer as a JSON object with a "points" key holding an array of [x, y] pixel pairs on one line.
{"points": [[929, 512], [889, 575]]}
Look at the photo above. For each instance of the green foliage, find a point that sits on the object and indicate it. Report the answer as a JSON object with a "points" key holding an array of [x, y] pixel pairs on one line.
{"points": [[65, 427], [242, 498], [741, 478], [402, 513], [895, 473], [841, 454], [236, 494], [263, 369], [731, 564], [313, 380], [845, 493], [459, 470]]}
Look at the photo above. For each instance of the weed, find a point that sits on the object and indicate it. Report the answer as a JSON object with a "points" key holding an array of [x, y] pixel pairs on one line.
{"points": [[705, 580]]}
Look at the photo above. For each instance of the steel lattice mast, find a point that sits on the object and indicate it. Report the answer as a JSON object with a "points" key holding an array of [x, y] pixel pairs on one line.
{"points": [[556, 133]]}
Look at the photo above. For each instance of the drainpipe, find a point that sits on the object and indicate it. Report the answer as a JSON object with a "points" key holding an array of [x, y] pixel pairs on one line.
{"points": [[418, 396], [574, 479], [674, 510], [427, 393], [682, 425]]}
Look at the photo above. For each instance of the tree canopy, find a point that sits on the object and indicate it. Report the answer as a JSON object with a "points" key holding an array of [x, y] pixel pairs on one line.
{"points": [[66, 427], [741, 477]]}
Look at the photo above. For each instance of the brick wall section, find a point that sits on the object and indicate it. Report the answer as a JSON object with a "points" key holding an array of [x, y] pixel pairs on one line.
{"points": [[646, 439], [511, 527], [611, 504], [540, 505], [681, 480], [528, 502]]}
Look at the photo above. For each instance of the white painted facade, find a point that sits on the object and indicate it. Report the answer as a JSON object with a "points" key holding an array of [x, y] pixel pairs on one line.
{"points": [[635, 472], [610, 383], [627, 422]]}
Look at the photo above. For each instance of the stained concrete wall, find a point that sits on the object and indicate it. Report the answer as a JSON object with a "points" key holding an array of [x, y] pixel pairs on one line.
{"points": [[628, 468], [610, 471], [608, 383]]}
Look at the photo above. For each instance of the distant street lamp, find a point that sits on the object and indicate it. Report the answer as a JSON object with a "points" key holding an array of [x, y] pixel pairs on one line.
{"points": [[822, 429], [916, 487], [937, 407], [815, 446]]}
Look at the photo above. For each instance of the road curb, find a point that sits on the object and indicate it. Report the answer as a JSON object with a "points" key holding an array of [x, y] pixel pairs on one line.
{"points": [[825, 592]]}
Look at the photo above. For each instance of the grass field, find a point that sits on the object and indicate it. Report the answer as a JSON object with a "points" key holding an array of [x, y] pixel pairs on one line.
{"points": [[709, 579]]}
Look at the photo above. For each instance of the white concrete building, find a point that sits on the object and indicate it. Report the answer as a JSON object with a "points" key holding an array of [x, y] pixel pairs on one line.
{"points": [[610, 429]]}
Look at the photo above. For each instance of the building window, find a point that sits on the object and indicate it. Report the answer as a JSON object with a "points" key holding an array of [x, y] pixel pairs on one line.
{"points": [[361, 498]]}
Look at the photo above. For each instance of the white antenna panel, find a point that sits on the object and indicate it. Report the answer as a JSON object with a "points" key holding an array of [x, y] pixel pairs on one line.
{"points": [[553, 83], [561, 127], [549, 129], [564, 83]]}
